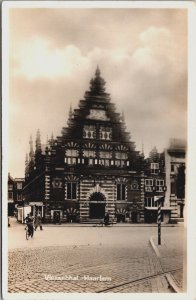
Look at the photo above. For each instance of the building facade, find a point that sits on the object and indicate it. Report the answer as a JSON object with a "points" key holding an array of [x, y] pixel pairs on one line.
{"points": [[15, 193], [93, 168], [175, 161]]}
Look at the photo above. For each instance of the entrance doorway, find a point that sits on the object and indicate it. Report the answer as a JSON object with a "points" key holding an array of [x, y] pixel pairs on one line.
{"points": [[134, 217], [56, 216], [97, 206], [120, 218]]}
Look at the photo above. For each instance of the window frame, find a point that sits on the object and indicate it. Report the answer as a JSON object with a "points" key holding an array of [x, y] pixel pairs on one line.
{"points": [[71, 192], [121, 191]]}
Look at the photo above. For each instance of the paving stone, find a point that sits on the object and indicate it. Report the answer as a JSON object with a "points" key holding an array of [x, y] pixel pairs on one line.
{"points": [[128, 265]]}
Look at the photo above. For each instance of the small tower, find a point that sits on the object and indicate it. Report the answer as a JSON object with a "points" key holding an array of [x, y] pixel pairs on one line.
{"points": [[51, 141], [38, 149], [26, 165], [154, 155], [31, 152]]}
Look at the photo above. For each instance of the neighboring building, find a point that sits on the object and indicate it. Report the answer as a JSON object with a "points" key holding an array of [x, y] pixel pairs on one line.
{"points": [[15, 193], [155, 187], [175, 161], [18, 191], [11, 204], [94, 168]]}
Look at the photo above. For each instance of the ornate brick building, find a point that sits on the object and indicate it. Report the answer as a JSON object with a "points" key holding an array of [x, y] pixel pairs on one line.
{"points": [[93, 168]]}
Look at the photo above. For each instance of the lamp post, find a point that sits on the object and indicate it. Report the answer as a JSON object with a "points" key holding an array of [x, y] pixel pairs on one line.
{"points": [[159, 200]]}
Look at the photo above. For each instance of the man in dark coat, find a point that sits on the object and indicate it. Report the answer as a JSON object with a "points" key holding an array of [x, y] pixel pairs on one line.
{"points": [[106, 219]]}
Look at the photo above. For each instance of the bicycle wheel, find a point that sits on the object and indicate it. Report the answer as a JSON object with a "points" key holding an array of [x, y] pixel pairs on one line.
{"points": [[27, 234]]}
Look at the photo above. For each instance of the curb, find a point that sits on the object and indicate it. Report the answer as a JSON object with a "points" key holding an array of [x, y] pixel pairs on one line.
{"points": [[168, 276], [154, 247], [95, 225], [172, 283]]}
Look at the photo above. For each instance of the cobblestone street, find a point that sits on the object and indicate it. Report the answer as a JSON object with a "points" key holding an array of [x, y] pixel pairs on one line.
{"points": [[91, 259]]}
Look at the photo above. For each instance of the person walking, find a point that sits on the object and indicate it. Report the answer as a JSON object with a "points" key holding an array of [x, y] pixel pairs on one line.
{"points": [[38, 222], [29, 221], [106, 219]]}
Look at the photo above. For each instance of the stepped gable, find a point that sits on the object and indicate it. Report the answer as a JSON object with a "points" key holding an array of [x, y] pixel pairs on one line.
{"points": [[96, 107]]}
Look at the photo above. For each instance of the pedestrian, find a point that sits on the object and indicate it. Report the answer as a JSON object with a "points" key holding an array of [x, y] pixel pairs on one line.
{"points": [[29, 220], [38, 222], [106, 219]]}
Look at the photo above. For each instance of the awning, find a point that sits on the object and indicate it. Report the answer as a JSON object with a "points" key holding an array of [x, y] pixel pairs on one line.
{"points": [[36, 203], [156, 208]]}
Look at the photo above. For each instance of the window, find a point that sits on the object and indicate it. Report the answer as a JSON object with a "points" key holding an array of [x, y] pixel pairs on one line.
{"points": [[148, 185], [172, 168], [89, 132], [19, 197], [19, 185], [88, 153], [117, 163], [102, 162], [149, 182], [121, 191], [90, 161], [160, 189], [10, 187], [154, 168], [159, 182], [149, 202], [105, 154], [173, 188], [71, 154], [105, 133], [160, 185], [121, 159], [107, 162], [121, 155], [71, 160], [104, 158], [71, 190], [10, 195]]}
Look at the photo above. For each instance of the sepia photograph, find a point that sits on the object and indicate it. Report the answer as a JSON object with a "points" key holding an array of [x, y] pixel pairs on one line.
{"points": [[95, 118]]}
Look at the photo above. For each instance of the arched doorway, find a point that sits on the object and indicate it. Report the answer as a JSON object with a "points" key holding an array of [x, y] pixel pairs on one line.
{"points": [[97, 205]]}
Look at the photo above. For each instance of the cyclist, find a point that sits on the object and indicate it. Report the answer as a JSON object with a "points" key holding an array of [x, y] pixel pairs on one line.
{"points": [[29, 221]]}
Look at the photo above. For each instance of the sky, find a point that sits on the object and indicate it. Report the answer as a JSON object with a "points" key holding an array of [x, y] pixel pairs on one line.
{"points": [[53, 54]]}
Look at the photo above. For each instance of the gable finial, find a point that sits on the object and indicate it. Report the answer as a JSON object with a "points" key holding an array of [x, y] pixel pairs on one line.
{"points": [[97, 72]]}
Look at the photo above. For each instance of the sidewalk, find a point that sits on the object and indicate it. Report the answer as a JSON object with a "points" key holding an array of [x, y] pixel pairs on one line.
{"points": [[172, 256], [14, 222]]}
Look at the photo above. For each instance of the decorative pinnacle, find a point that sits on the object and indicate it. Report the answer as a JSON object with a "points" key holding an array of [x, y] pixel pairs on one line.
{"points": [[97, 73], [38, 141], [97, 84], [70, 112]]}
